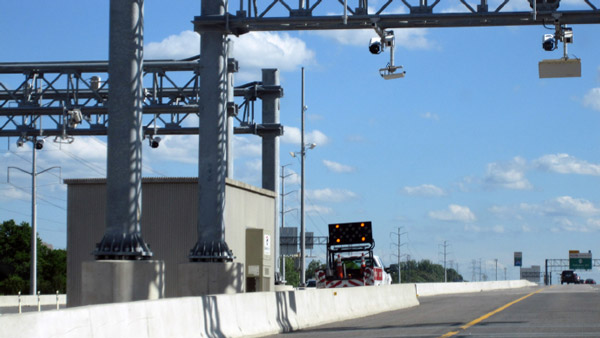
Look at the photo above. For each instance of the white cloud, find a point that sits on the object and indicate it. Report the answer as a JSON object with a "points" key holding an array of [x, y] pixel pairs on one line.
{"points": [[430, 116], [181, 46], [84, 158], [292, 135], [174, 148], [427, 190], [10, 193], [330, 195], [566, 224], [292, 177], [456, 213], [250, 172], [593, 224], [592, 99], [338, 167], [254, 51], [566, 164], [246, 146], [559, 207], [317, 209], [472, 228], [409, 38], [499, 229], [567, 205], [509, 175], [526, 228]]}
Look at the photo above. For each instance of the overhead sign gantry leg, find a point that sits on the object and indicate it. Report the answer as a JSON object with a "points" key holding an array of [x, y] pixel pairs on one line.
{"points": [[122, 255]]}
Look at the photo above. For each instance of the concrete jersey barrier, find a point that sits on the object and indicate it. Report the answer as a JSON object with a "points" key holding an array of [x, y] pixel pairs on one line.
{"points": [[433, 289], [235, 315]]}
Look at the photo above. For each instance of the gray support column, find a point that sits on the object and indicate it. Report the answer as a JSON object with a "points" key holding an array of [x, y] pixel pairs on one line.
{"points": [[212, 166], [230, 114], [270, 149], [123, 238]]}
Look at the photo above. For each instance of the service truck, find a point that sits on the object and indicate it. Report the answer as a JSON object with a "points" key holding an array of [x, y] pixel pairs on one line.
{"points": [[350, 259]]}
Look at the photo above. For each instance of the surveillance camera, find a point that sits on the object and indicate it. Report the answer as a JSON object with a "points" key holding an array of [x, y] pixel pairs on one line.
{"points": [[75, 118], [154, 142], [548, 42], [375, 46], [20, 142], [39, 144]]}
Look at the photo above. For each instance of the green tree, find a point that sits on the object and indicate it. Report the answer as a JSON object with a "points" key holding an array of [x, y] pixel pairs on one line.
{"points": [[292, 276], [424, 271], [15, 262]]}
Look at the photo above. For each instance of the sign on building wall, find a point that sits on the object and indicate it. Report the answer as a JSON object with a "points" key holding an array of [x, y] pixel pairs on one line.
{"points": [[531, 274], [267, 245]]}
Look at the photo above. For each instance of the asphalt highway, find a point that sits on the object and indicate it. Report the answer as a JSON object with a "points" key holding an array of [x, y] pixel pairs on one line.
{"points": [[555, 311]]}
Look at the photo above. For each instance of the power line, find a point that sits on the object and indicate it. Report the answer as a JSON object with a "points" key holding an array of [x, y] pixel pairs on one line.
{"points": [[94, 167], [41, 198]]}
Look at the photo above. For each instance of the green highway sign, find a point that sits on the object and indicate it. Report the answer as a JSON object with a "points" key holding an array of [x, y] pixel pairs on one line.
{"points": [[580, 260]]}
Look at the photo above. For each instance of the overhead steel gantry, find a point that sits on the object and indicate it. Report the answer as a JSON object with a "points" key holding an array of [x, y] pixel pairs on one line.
{"points": [[66, 99], [216, 22], [264, 17], [554, 264]]}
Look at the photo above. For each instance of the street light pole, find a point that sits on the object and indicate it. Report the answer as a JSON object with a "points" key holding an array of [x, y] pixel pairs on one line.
{"points": [[33, 267], [302, 228], [36, 145]]}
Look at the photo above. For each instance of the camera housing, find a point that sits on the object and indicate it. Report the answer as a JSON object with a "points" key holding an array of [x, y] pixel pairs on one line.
{"points": [[39, 144], [375, 46], [154, 142], [548, 42]]}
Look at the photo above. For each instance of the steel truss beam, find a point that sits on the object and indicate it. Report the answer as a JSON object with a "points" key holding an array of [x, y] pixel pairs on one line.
{"points": [[316, 17], [44, 102]]}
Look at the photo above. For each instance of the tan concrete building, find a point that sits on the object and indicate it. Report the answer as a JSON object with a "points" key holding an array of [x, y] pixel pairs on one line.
{"points": [[169, 226]]}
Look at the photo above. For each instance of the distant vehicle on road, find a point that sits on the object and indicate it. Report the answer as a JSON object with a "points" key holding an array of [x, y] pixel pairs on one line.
{"points": [[590, 281], [568, 276]]}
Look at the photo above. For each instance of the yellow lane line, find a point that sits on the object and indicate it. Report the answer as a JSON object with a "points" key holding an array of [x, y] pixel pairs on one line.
{"points": [[488, 315]]}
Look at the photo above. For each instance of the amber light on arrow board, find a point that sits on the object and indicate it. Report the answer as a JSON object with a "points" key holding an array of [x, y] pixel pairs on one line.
{"points": [[350, 233]]}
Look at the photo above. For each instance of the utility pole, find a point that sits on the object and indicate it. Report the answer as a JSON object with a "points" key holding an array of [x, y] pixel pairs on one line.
{"points": [[407, 267], [36, 145], [399, 233], [283, 211], [445, 246]]}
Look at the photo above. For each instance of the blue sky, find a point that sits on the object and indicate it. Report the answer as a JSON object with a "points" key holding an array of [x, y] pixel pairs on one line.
{"points": [[471, 147]]}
